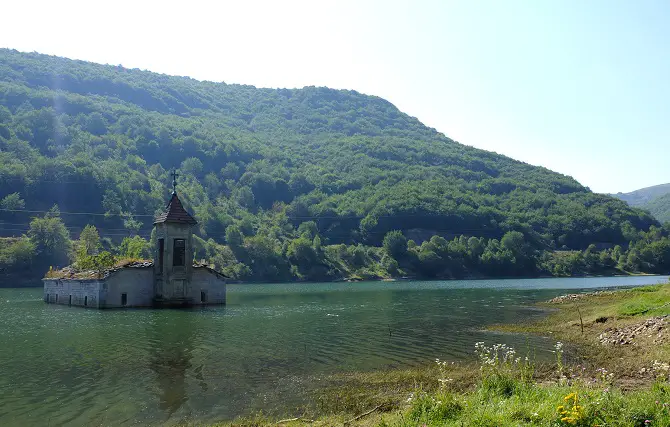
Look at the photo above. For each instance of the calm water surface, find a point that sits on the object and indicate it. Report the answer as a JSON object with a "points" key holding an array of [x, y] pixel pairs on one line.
{"points": [[270, 347]]}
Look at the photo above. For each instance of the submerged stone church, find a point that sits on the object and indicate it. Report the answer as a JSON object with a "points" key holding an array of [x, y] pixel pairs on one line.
{"points": [[171, 280]]}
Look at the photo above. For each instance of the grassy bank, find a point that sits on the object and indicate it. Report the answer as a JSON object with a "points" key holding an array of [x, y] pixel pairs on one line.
{"points": [[609, 329], [620, 376]]}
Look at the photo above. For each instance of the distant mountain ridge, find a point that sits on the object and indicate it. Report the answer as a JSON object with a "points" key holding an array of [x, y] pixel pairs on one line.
{"points": [[643, 195], [659, 207], [655, 199]]}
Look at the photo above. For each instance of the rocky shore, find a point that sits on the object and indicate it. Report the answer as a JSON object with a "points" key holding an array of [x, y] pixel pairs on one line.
{"points": [[576, 297], [655, 328]]}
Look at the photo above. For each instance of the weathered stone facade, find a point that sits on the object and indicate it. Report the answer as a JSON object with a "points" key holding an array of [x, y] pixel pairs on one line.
{"points": [[84, 293], [170, 280], [209, 282], [173, 282], [135, 283], [207, 288]]}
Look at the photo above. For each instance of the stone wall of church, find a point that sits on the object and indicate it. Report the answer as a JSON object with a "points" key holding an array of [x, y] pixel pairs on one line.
{"points": [[84, 293], [137, 285], [207, 287], [173, 282]]}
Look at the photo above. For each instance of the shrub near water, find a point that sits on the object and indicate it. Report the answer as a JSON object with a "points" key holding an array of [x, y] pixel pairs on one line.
{"points": [[503, 372], [508, 395]]}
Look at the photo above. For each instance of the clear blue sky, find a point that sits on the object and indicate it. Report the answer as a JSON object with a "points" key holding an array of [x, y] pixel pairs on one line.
{"points": [[580, 87]]}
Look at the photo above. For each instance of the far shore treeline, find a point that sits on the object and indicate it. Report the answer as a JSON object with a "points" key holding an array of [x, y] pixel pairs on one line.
{"points": [[286, 184]]}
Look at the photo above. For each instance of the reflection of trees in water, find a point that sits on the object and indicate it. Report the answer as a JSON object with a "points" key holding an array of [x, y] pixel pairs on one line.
{"points": [[172, 341]]}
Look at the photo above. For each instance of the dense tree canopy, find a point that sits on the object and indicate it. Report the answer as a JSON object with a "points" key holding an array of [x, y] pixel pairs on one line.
{"points": [[285, 183], [659, 207]]}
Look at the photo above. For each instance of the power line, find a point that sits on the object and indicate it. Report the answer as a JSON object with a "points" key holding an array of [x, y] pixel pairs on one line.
{"points": [[146, 232], [345, 234], [34, 180], [27, 224], [29, 181], [145, 237], [77, 213], [436, 216], [448, 231], [101, 234], [23, 228]]}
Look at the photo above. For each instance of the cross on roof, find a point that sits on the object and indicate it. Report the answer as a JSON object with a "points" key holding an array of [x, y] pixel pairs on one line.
{"points": [[174, 181]]}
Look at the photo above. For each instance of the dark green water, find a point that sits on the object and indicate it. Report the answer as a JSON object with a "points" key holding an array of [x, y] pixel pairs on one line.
{"points": [[269, 348]]}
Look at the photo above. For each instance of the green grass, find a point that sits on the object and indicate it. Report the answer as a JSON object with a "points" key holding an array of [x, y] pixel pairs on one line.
{"points": [[648, 300], [535, 404], [613, 310], [635, 308], [503, 396]]}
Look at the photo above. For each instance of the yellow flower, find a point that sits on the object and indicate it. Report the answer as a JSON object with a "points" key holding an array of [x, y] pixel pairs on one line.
{"points": [[570, 396]]}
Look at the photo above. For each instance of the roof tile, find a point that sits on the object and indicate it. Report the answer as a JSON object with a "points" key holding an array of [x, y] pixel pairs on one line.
{"points": [[175, 213]]}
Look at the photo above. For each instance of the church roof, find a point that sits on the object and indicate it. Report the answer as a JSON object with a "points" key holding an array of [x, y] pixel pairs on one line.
{"points": [[70, 273], [175, 213]]}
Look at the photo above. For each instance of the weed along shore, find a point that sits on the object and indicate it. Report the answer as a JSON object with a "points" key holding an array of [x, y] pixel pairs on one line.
{"points": [[619, 375]]}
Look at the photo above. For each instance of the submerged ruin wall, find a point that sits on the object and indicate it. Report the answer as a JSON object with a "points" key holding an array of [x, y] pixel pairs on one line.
{"points": [[80, 292], [131, 287]]}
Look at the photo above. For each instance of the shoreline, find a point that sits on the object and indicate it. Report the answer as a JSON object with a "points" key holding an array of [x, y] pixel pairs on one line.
{"points": [[24, 282], [629, 372], [449, 279]]}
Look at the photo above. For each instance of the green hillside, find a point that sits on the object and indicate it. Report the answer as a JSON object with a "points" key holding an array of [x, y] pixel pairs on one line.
{"points": [[654, 199], [659, 207], [644, 195], [264, 168]]}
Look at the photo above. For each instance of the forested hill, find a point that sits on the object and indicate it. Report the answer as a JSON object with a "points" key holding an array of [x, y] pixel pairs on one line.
{"points": [[644, 195], [659, 207], [655, 199], [100, 139]]}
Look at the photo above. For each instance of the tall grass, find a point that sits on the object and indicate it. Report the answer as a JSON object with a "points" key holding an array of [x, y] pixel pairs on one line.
{"points": [[507, 395]]}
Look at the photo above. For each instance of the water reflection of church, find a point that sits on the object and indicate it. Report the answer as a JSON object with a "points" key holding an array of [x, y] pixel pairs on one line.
{"points": [[173, 339]]}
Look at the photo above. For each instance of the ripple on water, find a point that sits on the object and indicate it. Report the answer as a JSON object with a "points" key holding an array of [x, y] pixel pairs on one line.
{"points": [[271, 346]]}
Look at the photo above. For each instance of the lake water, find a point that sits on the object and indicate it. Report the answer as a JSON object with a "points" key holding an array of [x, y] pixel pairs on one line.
{"points": [[267, 348]]}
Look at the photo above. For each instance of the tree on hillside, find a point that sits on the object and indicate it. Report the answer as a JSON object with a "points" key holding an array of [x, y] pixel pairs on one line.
{"points": [[234, 237], [395, 244], [12, 201], [316, 243], [301, 253], [514, 241], [18, 254], [89, 241], [134, 247], [51, 238], [308, 229]]}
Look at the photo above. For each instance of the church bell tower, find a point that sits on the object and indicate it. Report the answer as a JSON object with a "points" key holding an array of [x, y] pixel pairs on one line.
{"points": [[173, 253]]}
